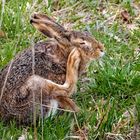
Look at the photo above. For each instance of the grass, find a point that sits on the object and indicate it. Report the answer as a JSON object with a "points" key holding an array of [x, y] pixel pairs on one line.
{"points": [[110, 99]]}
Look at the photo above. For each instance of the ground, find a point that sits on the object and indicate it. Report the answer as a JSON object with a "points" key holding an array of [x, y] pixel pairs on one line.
{"points": [[109, 96]]}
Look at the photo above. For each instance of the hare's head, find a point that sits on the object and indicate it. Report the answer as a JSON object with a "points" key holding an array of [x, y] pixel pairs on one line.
{"points": [[90, 48]]}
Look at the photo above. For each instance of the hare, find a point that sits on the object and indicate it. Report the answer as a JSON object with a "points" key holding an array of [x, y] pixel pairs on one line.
{"points": [[39, 94], [50, 61]]}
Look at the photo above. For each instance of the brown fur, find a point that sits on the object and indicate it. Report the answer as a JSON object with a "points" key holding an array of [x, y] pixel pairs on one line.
{"points": [[50, 63]]}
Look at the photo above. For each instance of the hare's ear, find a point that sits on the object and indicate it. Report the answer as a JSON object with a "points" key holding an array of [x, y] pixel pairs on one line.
{"points": [[47, 26], [67, 103]]}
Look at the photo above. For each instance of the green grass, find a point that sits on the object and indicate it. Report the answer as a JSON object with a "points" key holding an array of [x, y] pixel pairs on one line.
{"points": [[114, 82]]}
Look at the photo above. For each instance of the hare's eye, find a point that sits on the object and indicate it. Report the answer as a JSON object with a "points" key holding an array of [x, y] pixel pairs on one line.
{"points": [[82, 43]]}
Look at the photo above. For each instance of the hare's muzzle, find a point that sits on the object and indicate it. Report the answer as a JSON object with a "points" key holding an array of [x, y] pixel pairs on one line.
{"points": [[102, 53], [102, 49]]}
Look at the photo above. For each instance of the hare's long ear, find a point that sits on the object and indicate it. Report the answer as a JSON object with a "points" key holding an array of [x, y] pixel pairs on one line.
{"points": [[48, 26]]}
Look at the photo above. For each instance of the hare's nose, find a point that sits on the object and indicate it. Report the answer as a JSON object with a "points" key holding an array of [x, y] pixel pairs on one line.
{"points": [[102, 54]]}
